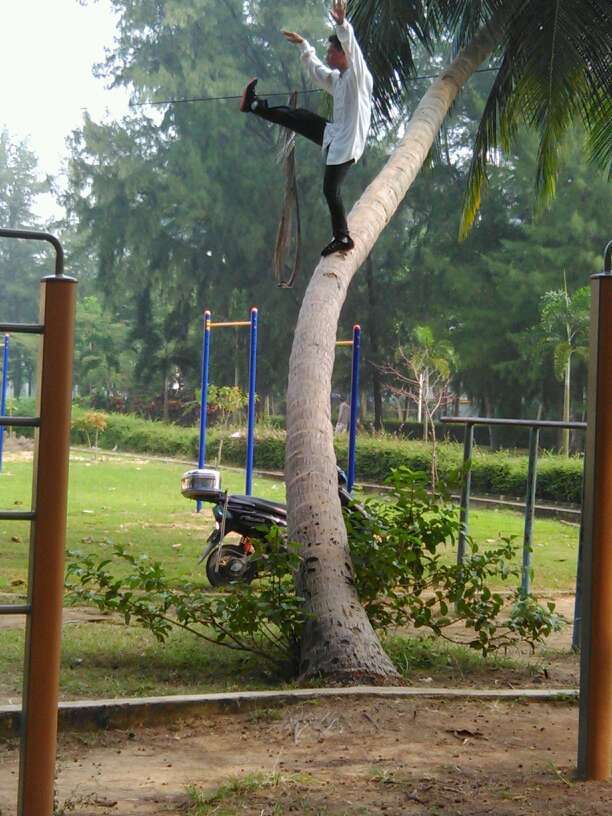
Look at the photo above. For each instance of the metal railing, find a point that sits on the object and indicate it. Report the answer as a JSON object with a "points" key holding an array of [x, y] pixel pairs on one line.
{"points": [[47, 534], [530, 495]]}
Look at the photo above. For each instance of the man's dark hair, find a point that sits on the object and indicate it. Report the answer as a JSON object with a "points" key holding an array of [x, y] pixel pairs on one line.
{"points": [[336, 43]]}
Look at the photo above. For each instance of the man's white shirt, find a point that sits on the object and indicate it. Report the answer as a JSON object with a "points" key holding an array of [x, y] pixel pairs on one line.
{"points": [[345, 137]]}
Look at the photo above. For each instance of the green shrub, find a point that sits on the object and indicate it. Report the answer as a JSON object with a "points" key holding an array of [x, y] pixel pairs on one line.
{"points": [[400, 574], [501, 473], [131, 433], [90, 423], [398, 549], [264, 618], [560, 478]]}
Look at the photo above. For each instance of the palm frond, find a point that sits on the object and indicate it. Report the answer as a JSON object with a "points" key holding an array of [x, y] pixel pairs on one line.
{"points": [[388, 31], [599, 143], [556, 69], [562, 353], [496, 129], [464, 17]]}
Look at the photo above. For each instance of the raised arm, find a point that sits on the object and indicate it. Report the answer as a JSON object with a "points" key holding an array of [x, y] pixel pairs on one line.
{"points": [[346, 35], [319, 73]]}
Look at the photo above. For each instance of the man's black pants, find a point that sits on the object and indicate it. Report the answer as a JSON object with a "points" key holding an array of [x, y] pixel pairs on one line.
{"points": [[312, 126]]}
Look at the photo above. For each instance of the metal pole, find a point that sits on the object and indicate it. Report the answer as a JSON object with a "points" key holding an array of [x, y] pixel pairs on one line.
{"points": [[354, 406], [204, 396], [47, 542], [5, 364], [532, 475], [576, 628], [576, 633], [464, 512], [252, 396], [595, 718]]}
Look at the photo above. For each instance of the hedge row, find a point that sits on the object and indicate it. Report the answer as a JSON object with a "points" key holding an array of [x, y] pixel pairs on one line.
{"points": [[505, 437], [559, 478]]}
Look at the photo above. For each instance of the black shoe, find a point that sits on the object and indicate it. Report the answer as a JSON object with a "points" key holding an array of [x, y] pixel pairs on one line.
{"points": [[344, 244], [248, 96]]}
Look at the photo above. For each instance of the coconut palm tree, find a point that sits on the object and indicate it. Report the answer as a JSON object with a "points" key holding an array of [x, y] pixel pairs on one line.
{"points": [[555, 67], [564, 320]]}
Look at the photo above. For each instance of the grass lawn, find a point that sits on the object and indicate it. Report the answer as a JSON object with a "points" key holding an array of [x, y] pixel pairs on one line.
{"points": [[106, 660], [137, 502], [555, 545], [113, 660]]}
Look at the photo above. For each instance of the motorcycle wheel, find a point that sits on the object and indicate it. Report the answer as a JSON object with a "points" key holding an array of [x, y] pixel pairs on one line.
{"points": [[232, 567]]}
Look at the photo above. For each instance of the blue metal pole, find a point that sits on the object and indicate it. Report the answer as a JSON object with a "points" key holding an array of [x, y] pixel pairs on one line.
{"points": [[252, 382], [5, 360], [354, 405], [204, 396]]}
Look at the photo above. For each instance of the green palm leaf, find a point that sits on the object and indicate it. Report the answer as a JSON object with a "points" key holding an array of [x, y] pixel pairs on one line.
{"points": [[388, 30], [561, 354], [555, 70]]}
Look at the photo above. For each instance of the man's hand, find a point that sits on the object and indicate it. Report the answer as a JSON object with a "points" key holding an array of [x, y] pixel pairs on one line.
{"points": [[294, 38], [338, 11]]}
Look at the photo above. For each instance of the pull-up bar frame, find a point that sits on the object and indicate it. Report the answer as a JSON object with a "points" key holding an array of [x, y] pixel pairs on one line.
{"points": [[234, 324], [47, 533]]}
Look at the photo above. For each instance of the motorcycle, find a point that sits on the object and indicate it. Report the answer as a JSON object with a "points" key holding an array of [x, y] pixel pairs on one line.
{"points": [[250, 517]]}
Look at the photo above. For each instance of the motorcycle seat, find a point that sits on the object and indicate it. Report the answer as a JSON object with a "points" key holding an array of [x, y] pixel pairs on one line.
{"points": [[246, 503]]}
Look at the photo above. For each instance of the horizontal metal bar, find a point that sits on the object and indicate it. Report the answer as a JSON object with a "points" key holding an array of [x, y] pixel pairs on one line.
{"points": [[231, 323], [344, 342], [20, 422], [14, 609], [22, 328], [519, 423], [17, 515], [30, 235]]}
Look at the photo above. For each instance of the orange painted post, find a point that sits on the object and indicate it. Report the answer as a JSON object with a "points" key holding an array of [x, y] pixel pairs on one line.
{"points": [[47, 542], [595, 724]]}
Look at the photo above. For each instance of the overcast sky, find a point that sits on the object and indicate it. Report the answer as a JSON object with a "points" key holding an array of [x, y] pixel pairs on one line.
{"points": [[47, 51]]}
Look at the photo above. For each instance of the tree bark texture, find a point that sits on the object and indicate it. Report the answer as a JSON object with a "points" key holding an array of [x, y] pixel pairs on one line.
{"points": [[338, 641]]}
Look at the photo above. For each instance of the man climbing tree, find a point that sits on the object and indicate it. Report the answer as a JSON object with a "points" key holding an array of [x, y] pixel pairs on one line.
{"points": [[343, 140], [554, 69]]}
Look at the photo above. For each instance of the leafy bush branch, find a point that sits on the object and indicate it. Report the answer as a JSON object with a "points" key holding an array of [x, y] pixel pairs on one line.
{"points": [[406, 573], [264, 618]]}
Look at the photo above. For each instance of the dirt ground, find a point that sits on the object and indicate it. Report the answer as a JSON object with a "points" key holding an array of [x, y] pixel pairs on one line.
{"points": [[338, 757], [334, 758], [552, 665], [18, 448]]}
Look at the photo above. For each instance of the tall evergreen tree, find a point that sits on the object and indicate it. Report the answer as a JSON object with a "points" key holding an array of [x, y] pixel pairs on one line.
{"points": [[182, 201], [22, 264]]}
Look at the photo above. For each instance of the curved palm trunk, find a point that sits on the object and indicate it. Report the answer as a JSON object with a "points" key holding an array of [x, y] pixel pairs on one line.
{"points": [[338, 641]]}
